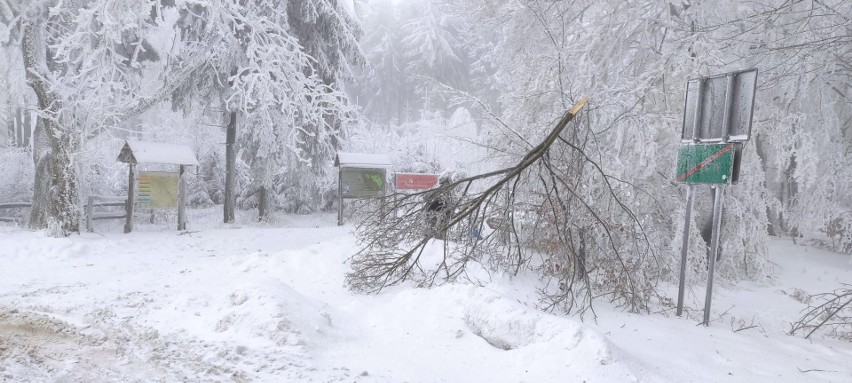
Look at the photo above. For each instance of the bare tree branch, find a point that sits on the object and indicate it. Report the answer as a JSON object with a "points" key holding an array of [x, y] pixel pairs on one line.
{"points": [[828, 311]]}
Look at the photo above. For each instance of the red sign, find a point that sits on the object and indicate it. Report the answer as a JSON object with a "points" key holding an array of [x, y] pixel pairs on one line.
{"points": [[409, 181]]}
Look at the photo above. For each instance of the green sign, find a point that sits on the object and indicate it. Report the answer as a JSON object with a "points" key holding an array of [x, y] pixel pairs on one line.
{"points": [[362, 183], [705, 164]]}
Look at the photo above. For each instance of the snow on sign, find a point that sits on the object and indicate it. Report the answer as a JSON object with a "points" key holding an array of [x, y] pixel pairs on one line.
{"points": [[362, 160], [137, 152], [705, 164], [412, 181]]}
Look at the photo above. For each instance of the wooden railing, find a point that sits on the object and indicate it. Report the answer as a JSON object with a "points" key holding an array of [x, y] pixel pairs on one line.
{"points": [[96, 201], [12, 205]]}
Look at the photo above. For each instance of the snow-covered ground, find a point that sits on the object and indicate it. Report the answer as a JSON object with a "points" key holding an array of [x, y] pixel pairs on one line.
{"points": [[263, 304]]}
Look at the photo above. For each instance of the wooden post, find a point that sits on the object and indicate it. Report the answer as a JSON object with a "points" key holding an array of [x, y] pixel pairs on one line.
{"points": [[181, 198], [340, 196], [131, 198], [90, 209], [262, 205], [382, 200], [230, 167]]}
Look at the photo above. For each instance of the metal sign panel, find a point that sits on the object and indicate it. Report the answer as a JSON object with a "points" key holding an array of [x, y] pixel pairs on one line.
{"points": [[719, 108], [157, 190], [705, 164], [362, 182], [411, 181]]}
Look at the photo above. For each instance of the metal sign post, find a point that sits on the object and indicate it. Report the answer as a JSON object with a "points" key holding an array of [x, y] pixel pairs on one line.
{"points": [[717, 121], [715, 240], [684, 250]]}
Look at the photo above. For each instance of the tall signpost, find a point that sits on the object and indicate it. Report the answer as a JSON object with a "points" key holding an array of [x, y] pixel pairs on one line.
{"points": [[716, 124]]}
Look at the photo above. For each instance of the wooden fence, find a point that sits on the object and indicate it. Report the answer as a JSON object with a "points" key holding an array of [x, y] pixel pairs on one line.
{"points": [[99, 202], [9, 206]]}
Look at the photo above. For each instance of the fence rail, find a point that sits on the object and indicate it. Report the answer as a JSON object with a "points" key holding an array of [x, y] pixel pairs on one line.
{"points": [[12, 205], [97, 201]]}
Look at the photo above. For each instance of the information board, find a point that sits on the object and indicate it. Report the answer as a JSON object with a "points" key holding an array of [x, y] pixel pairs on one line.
{"points": [[415, 181], [362, 182], [157, 190]]}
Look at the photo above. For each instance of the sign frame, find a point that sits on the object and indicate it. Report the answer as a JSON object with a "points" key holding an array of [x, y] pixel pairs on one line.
{"points": [[357, 182], [136, 152], [348, 163], [719, 108]]}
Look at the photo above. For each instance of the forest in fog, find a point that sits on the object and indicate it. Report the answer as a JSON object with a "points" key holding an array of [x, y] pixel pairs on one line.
{"points": [[445, 87]]}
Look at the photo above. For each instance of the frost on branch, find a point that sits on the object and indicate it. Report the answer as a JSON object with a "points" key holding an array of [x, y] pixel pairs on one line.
{"points": [[830, 313], [547, 217], [280, 79]]}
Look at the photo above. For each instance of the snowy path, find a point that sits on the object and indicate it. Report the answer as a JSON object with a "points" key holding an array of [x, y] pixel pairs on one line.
{"points": [[269, 305]]}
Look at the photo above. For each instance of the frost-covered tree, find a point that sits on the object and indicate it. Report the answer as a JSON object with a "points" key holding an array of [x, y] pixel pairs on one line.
{"points": [[412, 54], [432, 47], [383, 84], [82, 61], [547, 55], [329, 34], [802, 110], [633, 59], [283, 87]]}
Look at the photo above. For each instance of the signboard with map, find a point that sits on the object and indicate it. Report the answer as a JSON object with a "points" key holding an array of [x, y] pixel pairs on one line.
{"points": [[362, 182], [157, 190]]}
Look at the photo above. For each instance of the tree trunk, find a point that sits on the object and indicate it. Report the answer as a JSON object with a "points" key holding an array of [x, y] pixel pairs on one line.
{"points": [[789, 193], [262, 205], [42, 199], [773, 221], [63, 211], [230, 165]]}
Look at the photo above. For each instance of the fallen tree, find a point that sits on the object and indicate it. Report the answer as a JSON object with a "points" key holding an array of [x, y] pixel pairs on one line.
{"points": [[555, 211]]}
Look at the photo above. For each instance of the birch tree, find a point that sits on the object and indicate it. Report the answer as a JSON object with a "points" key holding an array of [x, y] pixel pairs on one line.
{"points": [[85, 62]]}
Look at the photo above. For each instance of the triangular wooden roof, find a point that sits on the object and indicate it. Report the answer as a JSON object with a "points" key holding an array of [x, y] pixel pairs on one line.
{"points": [[136, 152]]}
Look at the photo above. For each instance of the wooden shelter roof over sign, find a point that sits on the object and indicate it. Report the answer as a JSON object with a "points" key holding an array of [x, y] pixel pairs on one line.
{"points": [[362, 160], [135, 152]]}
